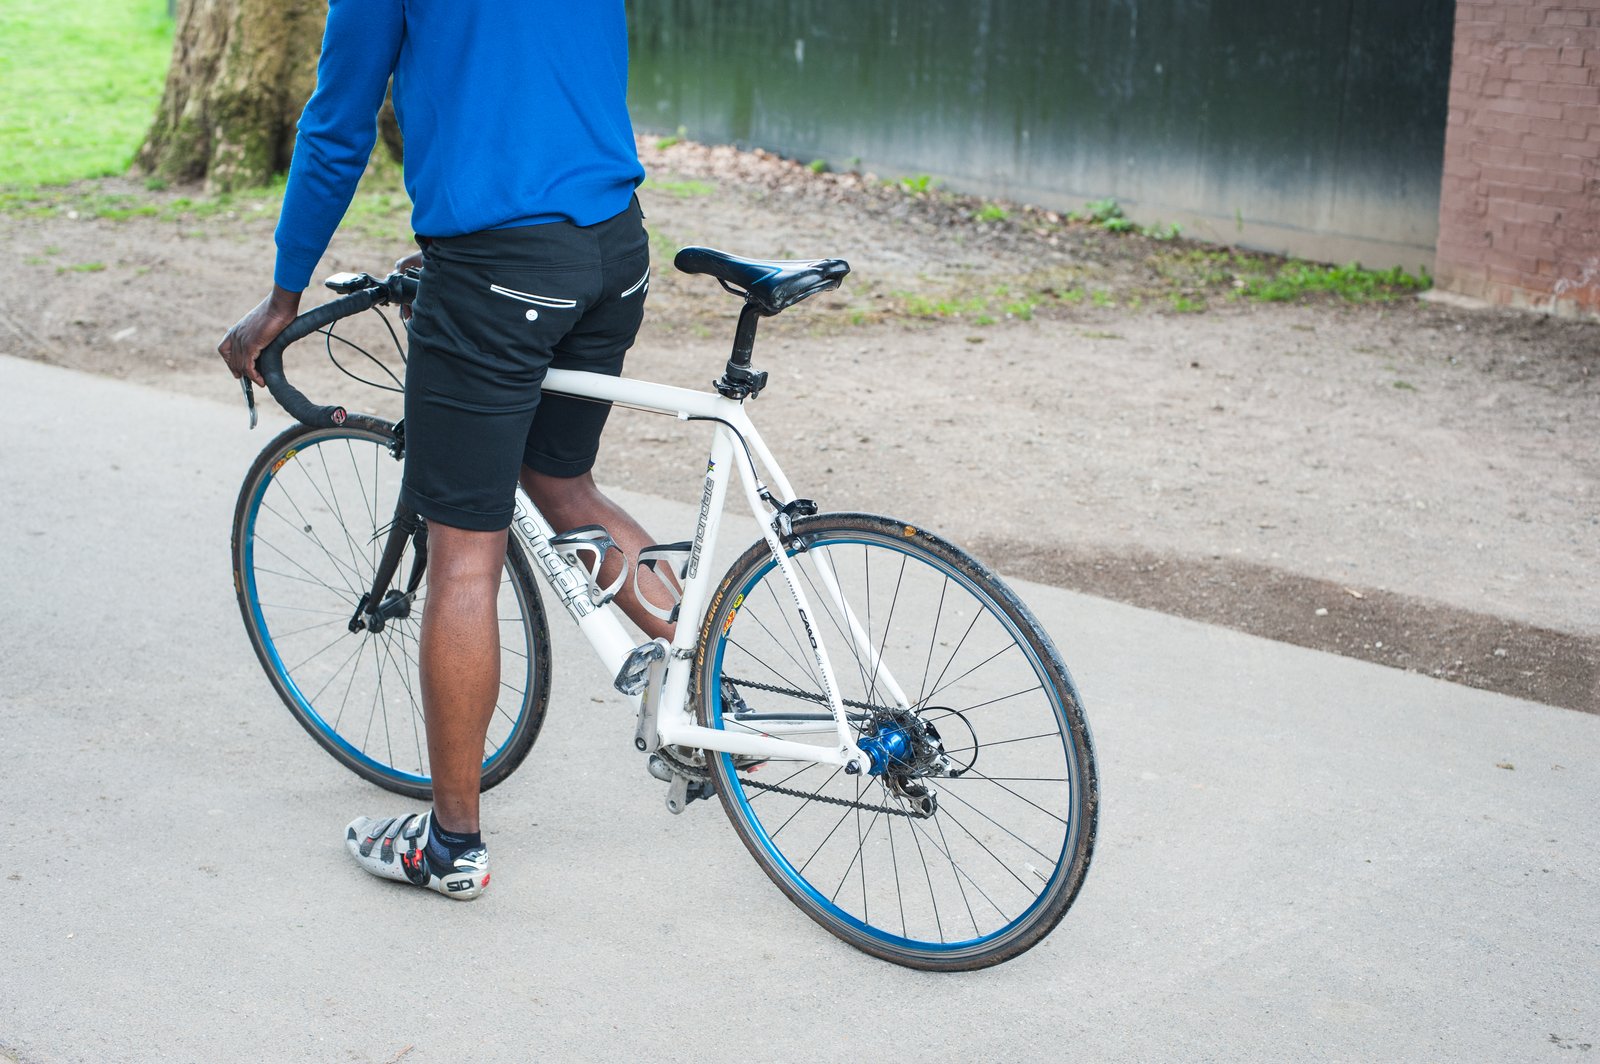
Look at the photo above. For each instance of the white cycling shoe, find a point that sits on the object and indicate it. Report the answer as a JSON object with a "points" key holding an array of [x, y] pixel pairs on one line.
{"points": [[396, 848]]}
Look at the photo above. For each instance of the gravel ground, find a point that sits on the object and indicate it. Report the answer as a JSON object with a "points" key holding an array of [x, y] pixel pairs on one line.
{"points": [[1403, 482]]}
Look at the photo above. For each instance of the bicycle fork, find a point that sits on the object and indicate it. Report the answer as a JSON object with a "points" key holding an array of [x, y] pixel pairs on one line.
{"points": [[381, 604]]}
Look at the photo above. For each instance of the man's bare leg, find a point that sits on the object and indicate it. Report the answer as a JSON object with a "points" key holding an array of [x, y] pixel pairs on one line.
{"points": [[568, 502], [460, 664], [460, 643]]}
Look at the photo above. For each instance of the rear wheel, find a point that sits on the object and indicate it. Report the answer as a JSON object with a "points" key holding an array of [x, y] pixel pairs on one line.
{"points": [[970, 839], [309, 527]]}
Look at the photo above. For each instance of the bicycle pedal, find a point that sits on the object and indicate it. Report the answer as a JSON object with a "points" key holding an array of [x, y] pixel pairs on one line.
{"points": [[675, 556], [587, 547], [634, 676]]}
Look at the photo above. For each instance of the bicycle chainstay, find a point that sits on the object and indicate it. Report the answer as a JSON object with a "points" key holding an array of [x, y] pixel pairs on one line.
{"points": [[753, 685]]}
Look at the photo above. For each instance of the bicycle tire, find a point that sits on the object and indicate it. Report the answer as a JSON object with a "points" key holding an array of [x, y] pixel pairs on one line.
{"points": [[998, 862], [304, 552]]}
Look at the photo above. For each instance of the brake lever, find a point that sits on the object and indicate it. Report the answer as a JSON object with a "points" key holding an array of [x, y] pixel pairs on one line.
{"points": [[249, 399]]}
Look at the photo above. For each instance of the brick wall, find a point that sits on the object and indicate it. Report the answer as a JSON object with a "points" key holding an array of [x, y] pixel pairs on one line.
{"points": [[1519, 217]]}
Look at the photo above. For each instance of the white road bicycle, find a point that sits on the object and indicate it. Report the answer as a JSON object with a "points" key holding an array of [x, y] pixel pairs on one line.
{"points": [[891, 732]]}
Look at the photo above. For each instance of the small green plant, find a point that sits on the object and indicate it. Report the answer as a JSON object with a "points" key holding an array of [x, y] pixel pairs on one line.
{"points": [[689, 188], [1185, 305], [1098, 212], [1072, 296], [1405, 386], [990, 212], [82, 267], [1108, 215], [922, 306], [1297, 278], [663, 143], [918, 185], [1101, 298], [1022, 309], [818, 166]]}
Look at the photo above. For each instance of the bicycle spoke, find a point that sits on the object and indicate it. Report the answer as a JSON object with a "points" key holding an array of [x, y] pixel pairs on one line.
{"points": [[996, 823], [1014, 794], [1002, 742], [310, 576], [804, 664], [933, 641], [888, 624], [939, 823], [945, 814], [338, 511]]}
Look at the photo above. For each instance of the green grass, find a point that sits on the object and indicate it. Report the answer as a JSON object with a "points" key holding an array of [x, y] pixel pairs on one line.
{"points": [[79, 83], [686, 189], [1296, 279]]}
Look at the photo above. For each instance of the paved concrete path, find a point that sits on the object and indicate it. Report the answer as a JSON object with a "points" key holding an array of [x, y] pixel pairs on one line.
{"points": [[1301, 857]]}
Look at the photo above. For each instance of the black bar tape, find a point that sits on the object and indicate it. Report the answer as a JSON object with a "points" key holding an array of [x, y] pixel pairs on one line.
{"points": [[270, 362]]}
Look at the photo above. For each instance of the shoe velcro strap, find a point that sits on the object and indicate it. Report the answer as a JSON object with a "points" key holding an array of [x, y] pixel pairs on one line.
{"points": [[419, 825], [394, 828], [374, 833]]}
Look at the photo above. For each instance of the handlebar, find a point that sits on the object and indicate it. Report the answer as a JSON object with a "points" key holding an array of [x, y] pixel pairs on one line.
{"points": [[363, 292]]}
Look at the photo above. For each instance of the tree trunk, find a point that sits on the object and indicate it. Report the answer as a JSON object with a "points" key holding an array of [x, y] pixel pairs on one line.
{"points": [[241, 72]]}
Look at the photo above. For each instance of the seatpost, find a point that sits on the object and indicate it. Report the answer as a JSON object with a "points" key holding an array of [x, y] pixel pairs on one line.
{"points": [[739, 381]]}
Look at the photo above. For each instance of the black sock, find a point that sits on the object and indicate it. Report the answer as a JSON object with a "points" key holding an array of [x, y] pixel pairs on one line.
{"points": [[445, 846]]}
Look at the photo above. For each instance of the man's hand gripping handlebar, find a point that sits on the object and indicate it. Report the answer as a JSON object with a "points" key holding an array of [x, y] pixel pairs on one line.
{"points": [[358, 292]]}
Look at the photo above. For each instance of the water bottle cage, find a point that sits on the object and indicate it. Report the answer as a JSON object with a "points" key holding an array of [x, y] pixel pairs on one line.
{"points": [[675, 558], [586, 548]]}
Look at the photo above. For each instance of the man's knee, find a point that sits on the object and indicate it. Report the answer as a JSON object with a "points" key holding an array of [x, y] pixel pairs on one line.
{"points": [[464, 555]]}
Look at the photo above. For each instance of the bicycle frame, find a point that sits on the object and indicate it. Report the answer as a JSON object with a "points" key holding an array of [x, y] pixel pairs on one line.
{"points": [[736, 444]]}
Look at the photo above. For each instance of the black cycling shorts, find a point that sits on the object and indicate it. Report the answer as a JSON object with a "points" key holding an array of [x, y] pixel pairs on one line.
{"points": [[495, 310]]}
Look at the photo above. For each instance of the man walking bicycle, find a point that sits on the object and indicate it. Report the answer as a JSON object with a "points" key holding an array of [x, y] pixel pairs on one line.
{"points": [[521, 167]]}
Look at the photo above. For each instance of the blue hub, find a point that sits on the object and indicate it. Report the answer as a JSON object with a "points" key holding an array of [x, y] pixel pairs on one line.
{"points": [[890, 748]]}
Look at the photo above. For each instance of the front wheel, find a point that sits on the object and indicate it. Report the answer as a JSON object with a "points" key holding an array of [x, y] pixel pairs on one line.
{"points": [[970, 839], [308, 530]]}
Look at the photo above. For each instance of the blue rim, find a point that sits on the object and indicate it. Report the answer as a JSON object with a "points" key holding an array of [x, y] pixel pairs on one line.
{"points": [[800, 883], [282, 673]]}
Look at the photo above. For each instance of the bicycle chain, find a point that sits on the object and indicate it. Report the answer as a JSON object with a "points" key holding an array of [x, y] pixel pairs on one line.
{"points": [[808, 696], [891, 810]]}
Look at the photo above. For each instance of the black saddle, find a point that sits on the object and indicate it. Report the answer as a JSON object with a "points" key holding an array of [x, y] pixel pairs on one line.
{"points": [[770, 285]]}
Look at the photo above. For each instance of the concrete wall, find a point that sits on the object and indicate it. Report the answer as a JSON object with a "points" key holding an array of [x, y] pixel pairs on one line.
{"points": [[1314, 127], [1519, 215]]}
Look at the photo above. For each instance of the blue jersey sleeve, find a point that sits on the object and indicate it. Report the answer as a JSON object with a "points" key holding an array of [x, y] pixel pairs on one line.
{"points": [[336, 131]]}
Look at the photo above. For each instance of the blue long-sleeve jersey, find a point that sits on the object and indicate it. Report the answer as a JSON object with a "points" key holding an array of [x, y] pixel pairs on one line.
{"points": [[514, 112]]}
